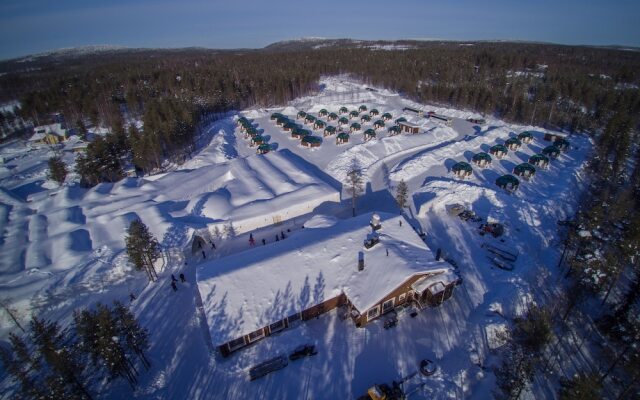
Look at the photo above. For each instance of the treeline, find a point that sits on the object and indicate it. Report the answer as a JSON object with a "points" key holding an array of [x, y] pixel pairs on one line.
{"points": [[52, 362], [573, 88]]}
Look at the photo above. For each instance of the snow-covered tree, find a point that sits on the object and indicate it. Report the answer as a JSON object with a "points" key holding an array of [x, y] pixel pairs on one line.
{"points": [[401, 194], [355, 182], [57, 169], [142, 248]]}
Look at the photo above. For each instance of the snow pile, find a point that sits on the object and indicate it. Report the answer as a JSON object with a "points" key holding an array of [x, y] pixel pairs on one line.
{"points": [[320, 221]]}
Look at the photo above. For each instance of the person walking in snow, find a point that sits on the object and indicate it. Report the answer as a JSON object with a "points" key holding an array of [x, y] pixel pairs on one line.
{"points": [[282, 236], [182, 278], [213, 245], [251, 241], [173, 278], [387, 252], [277, 238], [264, 242], [400, 222], [173, 286], [204, 256]]}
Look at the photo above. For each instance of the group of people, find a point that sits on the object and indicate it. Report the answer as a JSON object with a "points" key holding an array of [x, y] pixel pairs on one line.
{"points": [[174, 280], [282, 236]]}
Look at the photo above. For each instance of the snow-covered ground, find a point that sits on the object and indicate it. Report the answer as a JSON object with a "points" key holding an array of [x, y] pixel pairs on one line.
{"points": [[62, 248]]}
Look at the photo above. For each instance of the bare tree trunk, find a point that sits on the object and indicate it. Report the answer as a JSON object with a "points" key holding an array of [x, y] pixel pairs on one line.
{"points": [[5, 304]]}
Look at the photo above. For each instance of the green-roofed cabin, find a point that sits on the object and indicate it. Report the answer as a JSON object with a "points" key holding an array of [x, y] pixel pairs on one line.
{"points": [[362, 108], [263, 148], [374, 112], [378, 124], [257, 140], [354, 114], [333, 117], [508, 182], [513, 144], [299, 133], [343, 110], [281, 121], [275, 116], [343, 121], [355, 127], [365, 118], [539, 160], [323, 113], [289, 126], [319, 124], [301, 115], [482, 159], [386, 117], [309, 119], [551, 151], [401, 119], [394, 130], [343, 137], [462, 169], [498, 151], [311, 141], [526, 137], [329, 130], [369, 134], [562, 144], [250, 132], [524, 170]]}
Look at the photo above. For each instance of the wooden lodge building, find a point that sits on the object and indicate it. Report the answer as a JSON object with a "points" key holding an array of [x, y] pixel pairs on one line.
{"points": [[267, 289], [408, 127]]}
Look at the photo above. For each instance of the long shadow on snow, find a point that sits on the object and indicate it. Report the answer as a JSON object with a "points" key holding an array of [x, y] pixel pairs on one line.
{"points": [[312, 169]]}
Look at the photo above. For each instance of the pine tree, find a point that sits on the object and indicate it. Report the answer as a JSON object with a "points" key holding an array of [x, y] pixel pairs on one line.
{"points": [[142, 248], [581, 387], [52, 346], [57, 169], [401, 194], [22, 366], [355, 182], [129, 330]]}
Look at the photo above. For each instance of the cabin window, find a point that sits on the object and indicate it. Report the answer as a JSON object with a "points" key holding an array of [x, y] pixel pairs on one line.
{"points": [[373, 313], [294, 318], [387, 305], [402, 297], [253, 336], [236, 344], [276, 326]]}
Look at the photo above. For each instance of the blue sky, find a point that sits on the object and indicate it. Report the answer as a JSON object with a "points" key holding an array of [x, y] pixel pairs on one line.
{"points": [[31, 26]]}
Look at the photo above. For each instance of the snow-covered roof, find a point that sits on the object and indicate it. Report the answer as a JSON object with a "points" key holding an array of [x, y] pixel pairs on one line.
{"points": [[43, 130], [434, 283], [249, 290]]}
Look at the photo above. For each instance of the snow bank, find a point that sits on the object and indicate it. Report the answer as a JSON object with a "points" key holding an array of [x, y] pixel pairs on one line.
{"points": [[320, 221]]}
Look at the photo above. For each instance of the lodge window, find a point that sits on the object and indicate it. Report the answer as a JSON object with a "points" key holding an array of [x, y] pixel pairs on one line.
{"points": [[387, 305], [236, 344], [402, 297], [276, 326], [373, 313], [253, 336], [294, 318]]}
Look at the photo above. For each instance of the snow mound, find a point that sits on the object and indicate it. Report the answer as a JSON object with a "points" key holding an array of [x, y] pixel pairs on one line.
{"points": [[320, 221]]}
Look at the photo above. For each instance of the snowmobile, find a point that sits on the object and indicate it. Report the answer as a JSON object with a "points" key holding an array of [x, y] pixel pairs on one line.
{"points": [[391, 322], [305, 350], [267, 367]]}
